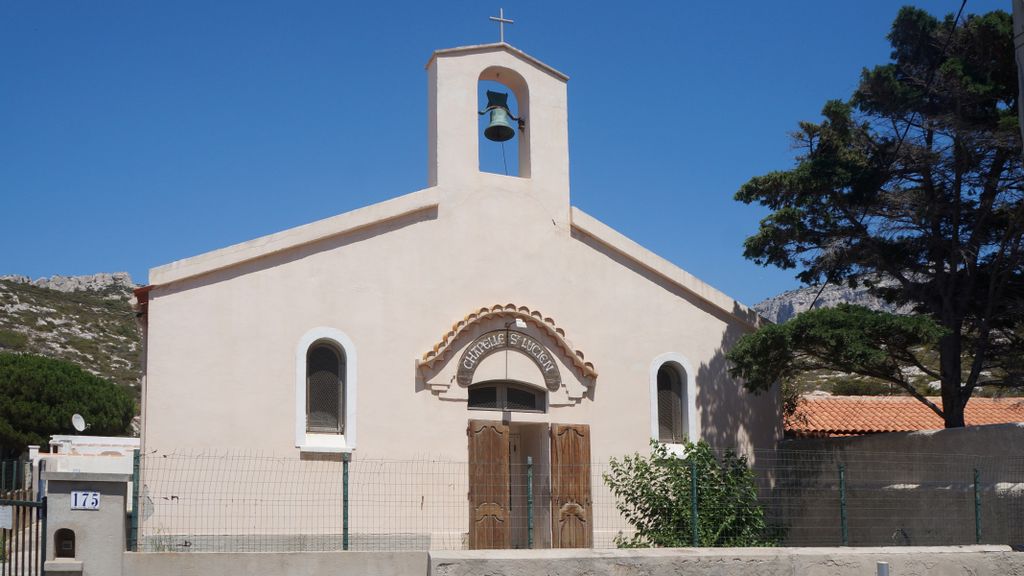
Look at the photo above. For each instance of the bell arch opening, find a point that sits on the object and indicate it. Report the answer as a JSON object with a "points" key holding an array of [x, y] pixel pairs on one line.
{"points": [[511, 157]]}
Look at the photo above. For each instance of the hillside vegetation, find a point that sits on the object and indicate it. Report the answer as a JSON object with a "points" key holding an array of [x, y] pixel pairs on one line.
{"points": [[86, 320]]}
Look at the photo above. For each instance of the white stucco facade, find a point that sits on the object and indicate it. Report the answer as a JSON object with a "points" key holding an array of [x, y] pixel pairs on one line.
{"points": [[405, 286]]}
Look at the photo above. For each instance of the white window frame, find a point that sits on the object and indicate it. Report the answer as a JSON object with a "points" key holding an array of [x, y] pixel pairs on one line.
{"points": [[325, 442], [689, 389]]}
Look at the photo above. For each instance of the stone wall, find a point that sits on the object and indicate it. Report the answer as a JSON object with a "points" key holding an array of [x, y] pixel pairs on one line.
{"points": [[276, 564], [676, 562], [913, 488], [732, 562]]}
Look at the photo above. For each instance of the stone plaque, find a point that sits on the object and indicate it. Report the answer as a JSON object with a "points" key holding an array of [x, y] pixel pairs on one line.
{"points": [[498, 340]]}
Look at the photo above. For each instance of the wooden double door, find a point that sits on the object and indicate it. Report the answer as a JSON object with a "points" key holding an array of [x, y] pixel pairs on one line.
{"points": [[562, 484]]}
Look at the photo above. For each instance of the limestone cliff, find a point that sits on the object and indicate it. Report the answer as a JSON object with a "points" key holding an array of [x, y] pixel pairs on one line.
{"points": [[788, 304], [84, 319]]}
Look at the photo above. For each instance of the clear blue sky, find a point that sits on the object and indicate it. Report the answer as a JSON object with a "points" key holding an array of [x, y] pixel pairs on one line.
{"points": [[134, 133]]}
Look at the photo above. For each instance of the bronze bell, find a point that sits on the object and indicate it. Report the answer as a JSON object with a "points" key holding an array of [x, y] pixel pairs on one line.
{"points": [[499, 129]]}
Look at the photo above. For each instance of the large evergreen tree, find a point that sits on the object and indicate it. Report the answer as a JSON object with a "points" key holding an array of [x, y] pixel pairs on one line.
{"points": [[39, 395], [914, 186]]}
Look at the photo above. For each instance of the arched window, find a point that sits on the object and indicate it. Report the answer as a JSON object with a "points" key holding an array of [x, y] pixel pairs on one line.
{"points": [[674, 417], [64, 543], [505, 396], [326, 373], [325, 389], [671, 407]]}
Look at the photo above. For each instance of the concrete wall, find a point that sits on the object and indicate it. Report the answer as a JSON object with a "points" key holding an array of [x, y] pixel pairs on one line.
{"points": [[988, 560], [913, 488], [275, 564], [991, 560]]}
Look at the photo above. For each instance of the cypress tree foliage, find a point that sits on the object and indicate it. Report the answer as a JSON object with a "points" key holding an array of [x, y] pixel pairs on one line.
{"points": [[916, 183], [847, 338], [39, 395]]}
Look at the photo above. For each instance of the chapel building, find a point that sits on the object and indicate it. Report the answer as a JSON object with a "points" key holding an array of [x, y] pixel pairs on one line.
{"points": [[482, 320]]}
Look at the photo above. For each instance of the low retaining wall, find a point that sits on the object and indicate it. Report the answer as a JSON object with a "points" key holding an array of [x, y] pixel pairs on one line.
{"points": [[904, 561], [275, 564], [917, 561]]}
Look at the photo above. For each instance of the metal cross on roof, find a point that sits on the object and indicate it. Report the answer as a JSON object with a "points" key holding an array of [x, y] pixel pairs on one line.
{"points": [[501, 20]]}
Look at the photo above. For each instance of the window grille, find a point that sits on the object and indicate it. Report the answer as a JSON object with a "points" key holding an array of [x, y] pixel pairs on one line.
{"points": [[325, 389], [64, 543], [484, 398], [670, 405], [519, 399], [505, 396]]}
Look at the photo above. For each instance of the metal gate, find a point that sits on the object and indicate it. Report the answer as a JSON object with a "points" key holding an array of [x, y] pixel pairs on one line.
{"points": [[22, 534], [12, 475]]}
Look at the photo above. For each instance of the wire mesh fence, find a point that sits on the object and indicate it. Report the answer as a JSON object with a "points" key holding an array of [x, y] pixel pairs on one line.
{"points": [[876, 499], [232, 501]]}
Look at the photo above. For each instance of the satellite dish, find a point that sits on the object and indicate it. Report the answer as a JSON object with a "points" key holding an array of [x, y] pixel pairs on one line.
{"points": [[78, 422]]}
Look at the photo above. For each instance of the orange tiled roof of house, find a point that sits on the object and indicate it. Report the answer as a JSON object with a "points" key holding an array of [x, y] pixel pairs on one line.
{"points": [[855, 415]]}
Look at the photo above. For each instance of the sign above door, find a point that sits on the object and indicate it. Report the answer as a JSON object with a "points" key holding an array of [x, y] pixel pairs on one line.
{"points": [[498, 340]]}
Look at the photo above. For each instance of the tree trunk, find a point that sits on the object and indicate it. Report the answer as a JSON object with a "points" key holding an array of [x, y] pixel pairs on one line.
{"points": [[950, 347]]}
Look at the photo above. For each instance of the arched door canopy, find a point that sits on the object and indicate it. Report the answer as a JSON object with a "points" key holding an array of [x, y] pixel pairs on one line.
{"points": [[445, 349]]}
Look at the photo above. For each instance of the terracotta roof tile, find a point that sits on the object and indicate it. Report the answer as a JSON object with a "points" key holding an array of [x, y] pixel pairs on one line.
{"points": [[854, 415]]}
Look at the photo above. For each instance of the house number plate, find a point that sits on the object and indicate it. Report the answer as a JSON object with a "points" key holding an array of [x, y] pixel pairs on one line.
{"points": [[85, 500]]}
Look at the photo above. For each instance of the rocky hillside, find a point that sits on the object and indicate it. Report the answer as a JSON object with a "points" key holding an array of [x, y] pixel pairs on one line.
{"points": [[780, 308], [84, 319], [788, 304]]}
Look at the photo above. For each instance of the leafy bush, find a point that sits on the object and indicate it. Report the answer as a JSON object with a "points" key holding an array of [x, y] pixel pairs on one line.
{"points": [[39, 395], [653, 495]]}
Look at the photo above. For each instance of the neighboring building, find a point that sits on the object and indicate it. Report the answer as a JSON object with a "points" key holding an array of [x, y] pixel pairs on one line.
{"points": [[482, 318], [825, 416], [99, 454]]}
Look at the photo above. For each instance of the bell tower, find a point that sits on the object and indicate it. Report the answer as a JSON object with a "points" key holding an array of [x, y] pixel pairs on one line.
{"points": [[541, 128]]}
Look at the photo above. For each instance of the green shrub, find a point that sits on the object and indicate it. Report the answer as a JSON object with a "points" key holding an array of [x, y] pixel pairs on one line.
{"points": [[653, 495]]}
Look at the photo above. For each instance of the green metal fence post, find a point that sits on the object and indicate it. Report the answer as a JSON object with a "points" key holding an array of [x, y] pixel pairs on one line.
{"points": [[977, 506], [529, 502], [345, 457], [133, 537], [694, 512], [842, 505]]}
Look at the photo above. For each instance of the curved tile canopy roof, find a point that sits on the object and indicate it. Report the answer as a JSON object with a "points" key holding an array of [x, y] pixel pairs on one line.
{"points": [[443, 349]]}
